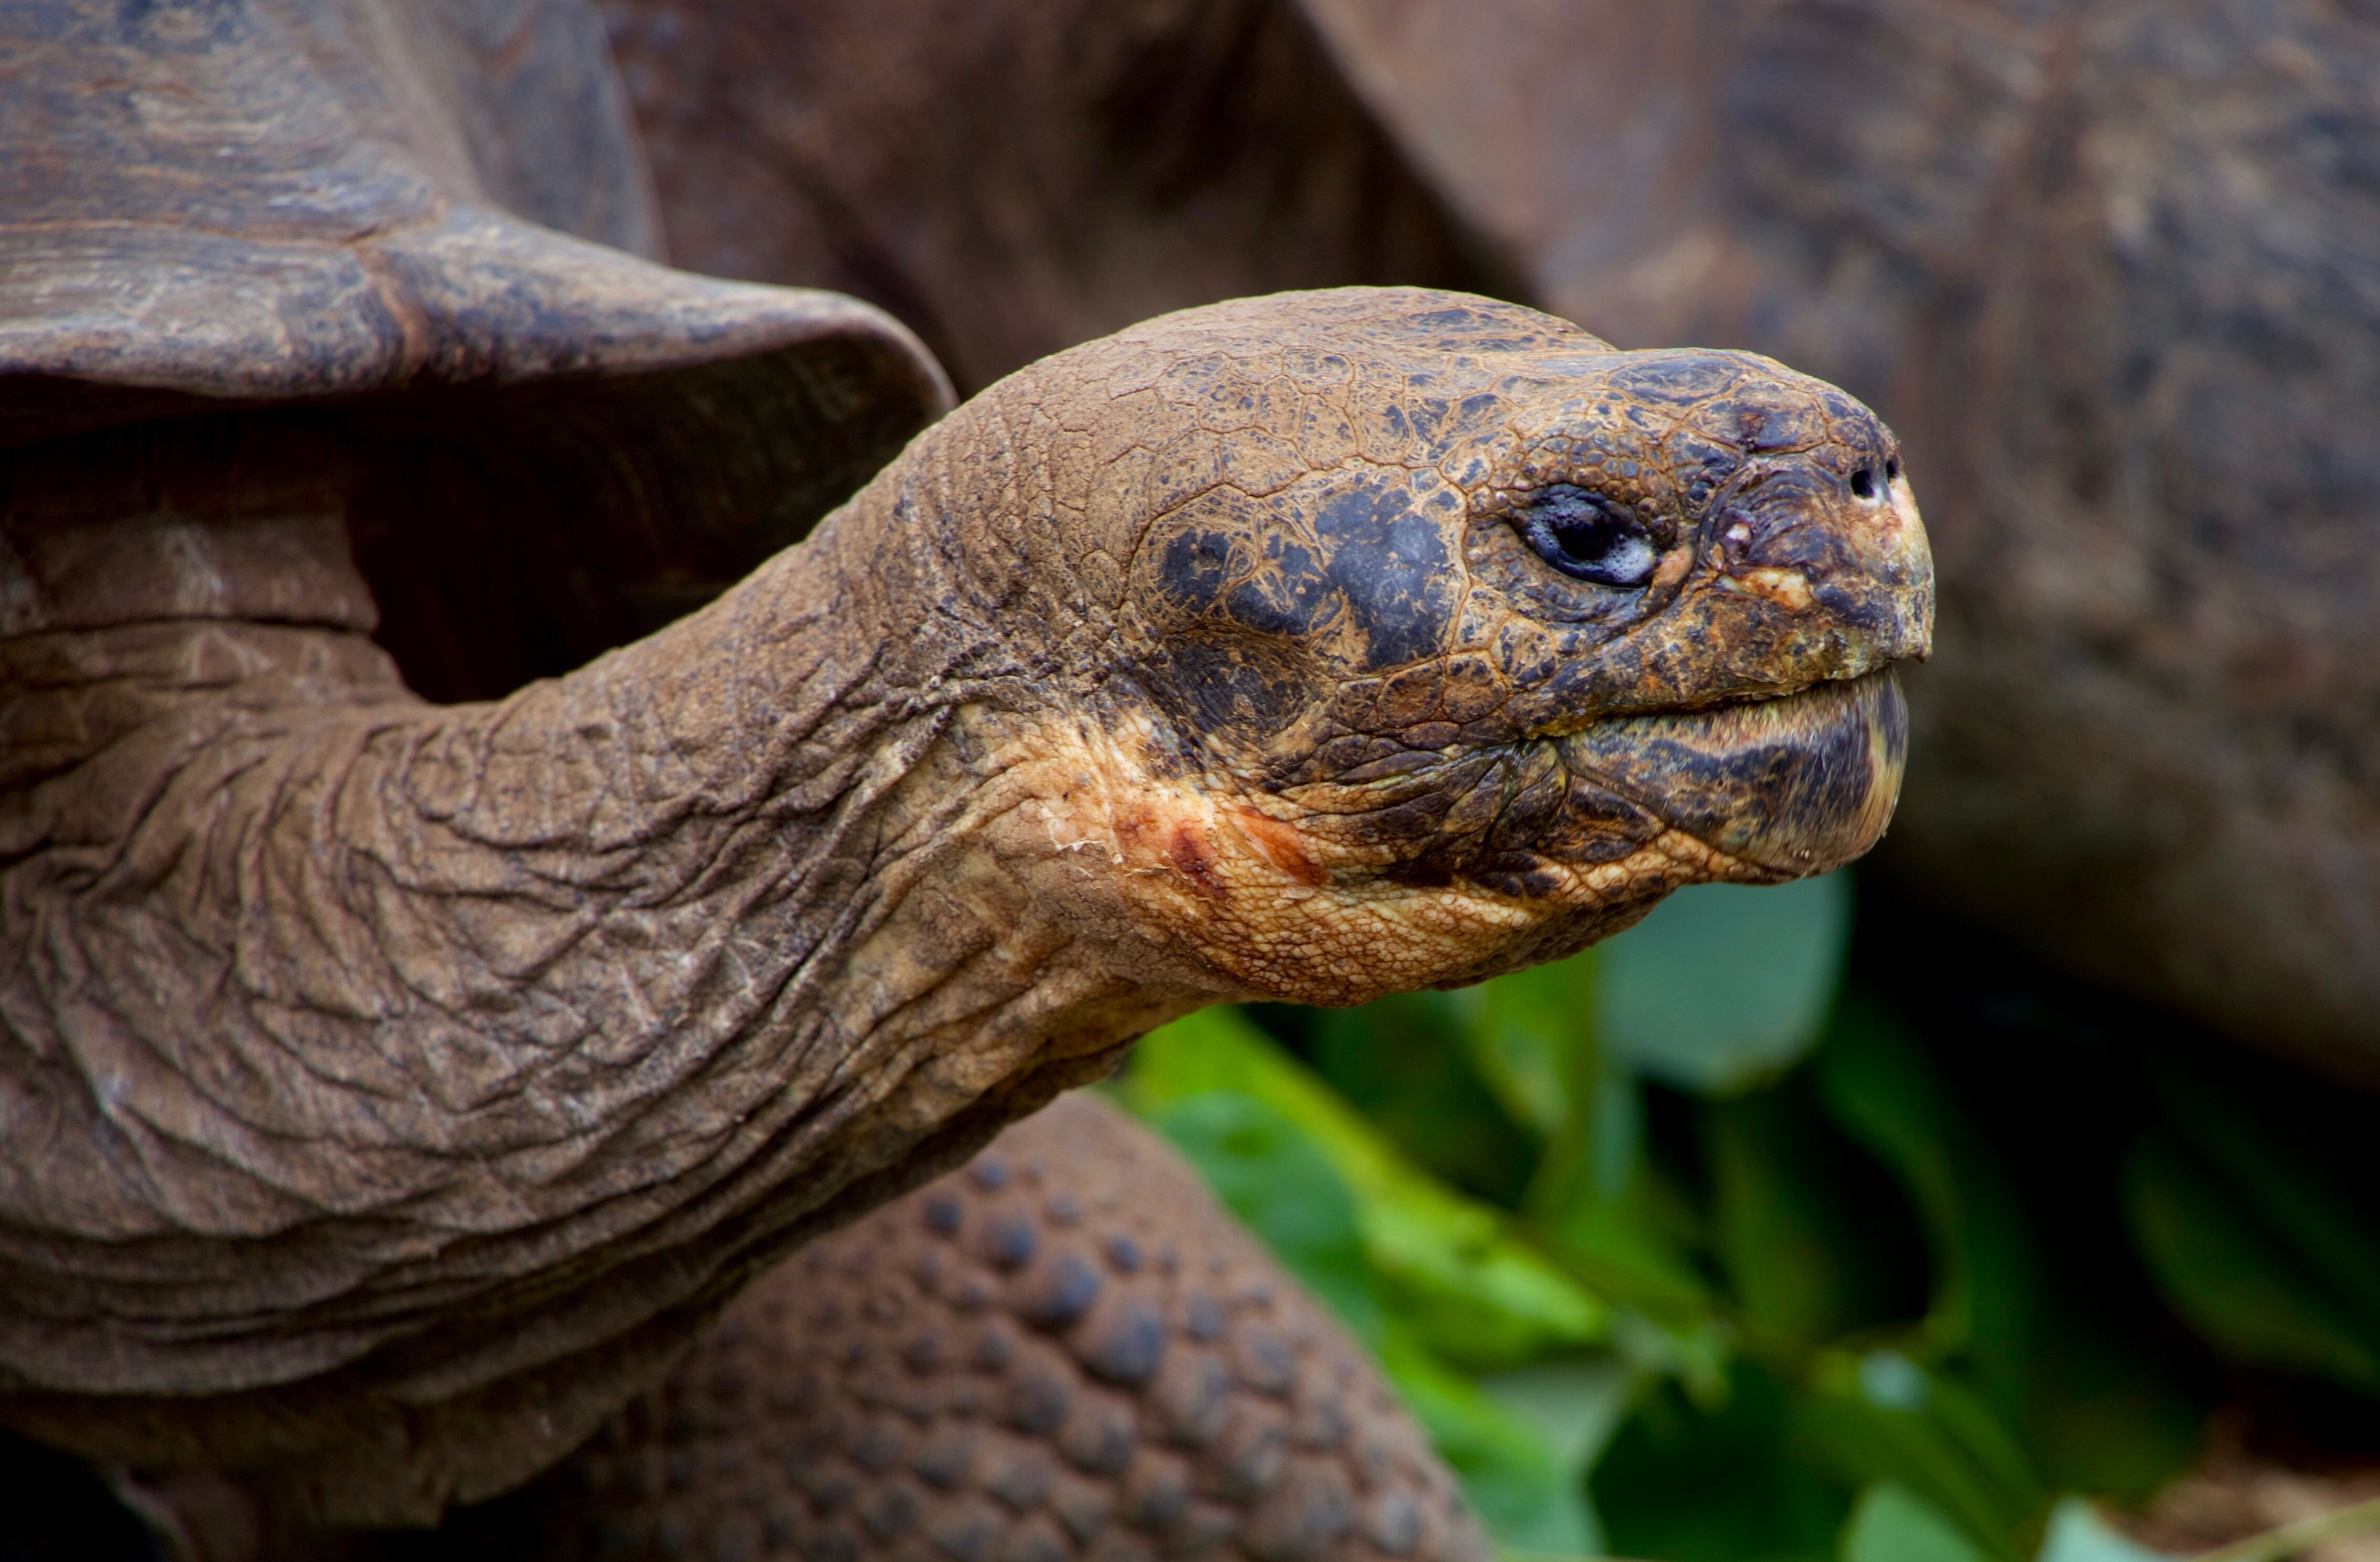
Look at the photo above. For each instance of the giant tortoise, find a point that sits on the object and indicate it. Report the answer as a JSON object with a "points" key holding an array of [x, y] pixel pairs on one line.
{"points": [[2108, 264], [394, 1089]]}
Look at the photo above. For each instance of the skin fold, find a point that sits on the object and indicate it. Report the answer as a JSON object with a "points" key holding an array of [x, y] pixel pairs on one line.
{"points": [[392, 1088]]}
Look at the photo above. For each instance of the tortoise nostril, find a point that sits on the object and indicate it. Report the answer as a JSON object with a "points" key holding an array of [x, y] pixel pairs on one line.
{"points": [[1892, 468], [1863, 483]]}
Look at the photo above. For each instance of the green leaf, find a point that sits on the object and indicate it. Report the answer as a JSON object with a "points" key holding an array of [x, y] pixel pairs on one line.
{"points": [[1813, 1237], [2078, 1534], [1725, 986], [1627, 1249], [1528, 1486], [1876, 1081], [1267, 1171], [1531, 1038], [1263, 1132], [2056, 1354], [2236, 1279], [1573, 1407], [1403, 1062], [1602, 1208], [2313, 1196], [1889, 1523], [2110, 1415], [1457, 1275], [1576, 1404], [1721, 1484], [1879, 1416]]}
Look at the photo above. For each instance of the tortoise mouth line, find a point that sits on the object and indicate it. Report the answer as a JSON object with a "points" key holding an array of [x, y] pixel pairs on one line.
{"points": [[1791, 783], [1774, 788], [1777, 695]]}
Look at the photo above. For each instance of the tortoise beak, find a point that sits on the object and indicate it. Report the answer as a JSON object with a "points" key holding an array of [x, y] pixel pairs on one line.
{"points": [[1862, 575], [1788, 786]]}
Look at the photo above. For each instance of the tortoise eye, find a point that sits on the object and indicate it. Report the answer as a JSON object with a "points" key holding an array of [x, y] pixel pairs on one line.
{"points": [[1584, 536]]}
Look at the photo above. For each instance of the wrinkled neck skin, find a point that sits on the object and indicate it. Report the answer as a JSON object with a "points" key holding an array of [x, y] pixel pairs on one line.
{"points": [[419, 1048]]}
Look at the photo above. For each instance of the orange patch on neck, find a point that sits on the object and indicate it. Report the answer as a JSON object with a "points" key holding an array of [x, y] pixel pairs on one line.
{"points": [[1283, 846]]}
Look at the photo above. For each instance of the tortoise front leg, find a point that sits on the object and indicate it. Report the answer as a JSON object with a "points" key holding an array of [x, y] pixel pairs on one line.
{"points": [[1065, 1349]]}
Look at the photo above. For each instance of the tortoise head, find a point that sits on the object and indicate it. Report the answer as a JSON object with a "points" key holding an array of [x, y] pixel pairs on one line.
{"points": [[1440, 638]]}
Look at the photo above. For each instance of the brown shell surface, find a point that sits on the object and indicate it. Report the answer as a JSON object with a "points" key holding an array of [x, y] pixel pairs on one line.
{"points": [[1012, 179], [403, 250], [1065, 1349]]}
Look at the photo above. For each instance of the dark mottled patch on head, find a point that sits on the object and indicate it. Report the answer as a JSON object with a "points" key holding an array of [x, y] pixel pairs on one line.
{"points": [[1236, 682], [1193, 567], [1391, 563], [1864, 441], [1592, 818], [1727, 797], [1291, 595], [1772, 791]]}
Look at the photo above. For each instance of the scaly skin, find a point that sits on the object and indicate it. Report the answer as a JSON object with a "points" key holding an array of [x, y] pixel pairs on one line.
{"points": [[1065, 1349], [405, 1084]]}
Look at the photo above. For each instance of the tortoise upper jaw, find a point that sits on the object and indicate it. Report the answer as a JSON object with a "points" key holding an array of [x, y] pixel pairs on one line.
{"points": [[1788, 786]]}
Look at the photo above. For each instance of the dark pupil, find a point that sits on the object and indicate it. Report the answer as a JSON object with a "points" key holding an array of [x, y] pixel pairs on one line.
{"points": [[1572, 530]]}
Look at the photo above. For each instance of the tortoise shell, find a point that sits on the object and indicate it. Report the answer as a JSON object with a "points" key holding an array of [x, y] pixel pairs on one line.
{"points": [[395, 240]]}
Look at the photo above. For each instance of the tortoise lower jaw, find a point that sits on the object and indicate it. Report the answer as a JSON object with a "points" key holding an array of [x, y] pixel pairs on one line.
{"points": [[1790, 786]]}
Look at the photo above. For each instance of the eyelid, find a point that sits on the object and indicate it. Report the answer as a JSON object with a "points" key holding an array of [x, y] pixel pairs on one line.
{"points": [[1585, 536]]}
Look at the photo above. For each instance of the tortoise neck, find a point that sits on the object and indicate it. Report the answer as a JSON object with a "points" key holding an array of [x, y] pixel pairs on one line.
{"points": [[635, 976]]}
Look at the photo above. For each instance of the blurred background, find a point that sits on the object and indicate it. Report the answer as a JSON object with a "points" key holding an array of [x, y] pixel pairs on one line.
{"points": [[2020, 1198]]}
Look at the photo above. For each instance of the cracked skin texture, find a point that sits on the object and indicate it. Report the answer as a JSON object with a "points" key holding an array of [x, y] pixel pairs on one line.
{"points": [[403, 1083]]}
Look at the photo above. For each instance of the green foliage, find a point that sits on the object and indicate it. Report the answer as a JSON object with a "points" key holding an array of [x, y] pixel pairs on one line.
{"points": [[1268, 1172], [2255, 1235], [1877, 1084], [1720, 1481], [1391, 1060], [2078, 1534], [1716, 990], [1456, 1273], [1685, 1248], [1890, 1523], [1432, 1280]]}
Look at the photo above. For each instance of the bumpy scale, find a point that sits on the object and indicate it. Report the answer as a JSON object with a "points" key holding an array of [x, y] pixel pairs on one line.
{"points": [[1064, 1351]]}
